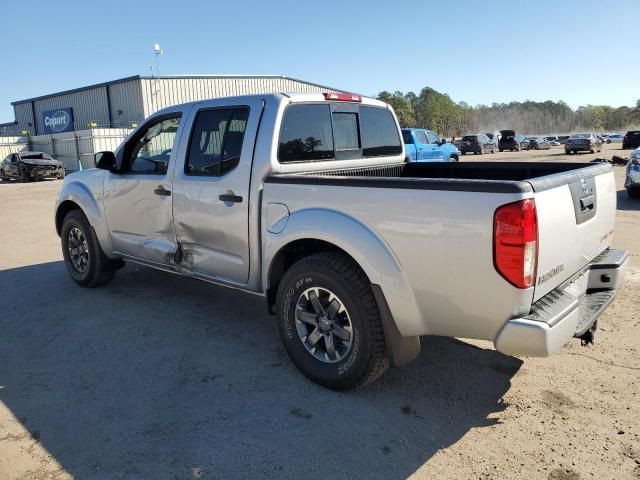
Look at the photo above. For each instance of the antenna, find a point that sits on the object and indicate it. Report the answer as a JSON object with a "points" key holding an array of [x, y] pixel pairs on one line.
{"points": [[158, 51]]}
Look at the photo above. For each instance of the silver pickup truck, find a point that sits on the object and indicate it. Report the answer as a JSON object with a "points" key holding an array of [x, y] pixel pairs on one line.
{"points": [[305, 199]]}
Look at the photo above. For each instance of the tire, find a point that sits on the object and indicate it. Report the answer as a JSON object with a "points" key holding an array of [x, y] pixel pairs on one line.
{"points": [[454, 158], [24, 176], [633, 192], [60, 176], [98, 269], [481, 151], [500, 150], [365, 358], [463, 153]]}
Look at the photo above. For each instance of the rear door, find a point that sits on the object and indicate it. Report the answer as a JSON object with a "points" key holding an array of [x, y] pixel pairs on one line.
{"points": [[211, 189], [576, 215]]}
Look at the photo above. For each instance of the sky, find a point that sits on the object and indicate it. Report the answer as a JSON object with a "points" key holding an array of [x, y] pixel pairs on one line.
{"points": [[582, 52]]}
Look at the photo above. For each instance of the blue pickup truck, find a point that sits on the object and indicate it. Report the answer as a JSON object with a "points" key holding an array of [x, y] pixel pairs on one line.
{"points": [[423, 145]]}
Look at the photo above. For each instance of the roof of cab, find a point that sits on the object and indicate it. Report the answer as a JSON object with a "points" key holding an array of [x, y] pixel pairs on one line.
{"points": [[278, 97]]}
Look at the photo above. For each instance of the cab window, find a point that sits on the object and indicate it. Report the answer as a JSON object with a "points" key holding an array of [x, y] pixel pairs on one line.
{"points": [[216, 141]]}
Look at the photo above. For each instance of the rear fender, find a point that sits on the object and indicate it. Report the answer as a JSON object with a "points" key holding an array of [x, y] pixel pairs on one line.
{"points": [[370, 252]]}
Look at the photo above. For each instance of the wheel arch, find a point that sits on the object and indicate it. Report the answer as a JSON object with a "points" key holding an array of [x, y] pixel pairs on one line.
{"points": [[313, 230], [77, 196]]}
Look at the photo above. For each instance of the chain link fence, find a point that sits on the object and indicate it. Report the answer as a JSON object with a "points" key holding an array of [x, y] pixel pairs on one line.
{"points": [[74, 149]]}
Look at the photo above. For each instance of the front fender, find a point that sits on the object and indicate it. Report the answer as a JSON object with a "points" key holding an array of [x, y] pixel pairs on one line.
{"points": [[369, 250], [86, 192]]}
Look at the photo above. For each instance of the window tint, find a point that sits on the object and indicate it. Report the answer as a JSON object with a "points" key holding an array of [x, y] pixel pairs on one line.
{"points": [[406, 137], [306, 133], [421, 137], [152, 147], [216, 141], [433, 138], [345, 131], [379, 132]]}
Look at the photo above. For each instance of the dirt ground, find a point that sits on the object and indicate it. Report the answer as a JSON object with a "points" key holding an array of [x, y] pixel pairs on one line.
{"points": [[159, 377]]}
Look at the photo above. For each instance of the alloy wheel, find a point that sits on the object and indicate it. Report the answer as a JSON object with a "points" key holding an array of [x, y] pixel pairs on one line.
{"points": [[323, 325], [78, 250]]}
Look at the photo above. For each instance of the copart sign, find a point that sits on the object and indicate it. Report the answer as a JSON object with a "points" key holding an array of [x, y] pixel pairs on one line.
{"points": [[57, 121]]}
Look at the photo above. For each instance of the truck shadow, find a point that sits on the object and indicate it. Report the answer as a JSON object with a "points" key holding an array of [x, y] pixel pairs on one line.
{"points": [[155, 376]]}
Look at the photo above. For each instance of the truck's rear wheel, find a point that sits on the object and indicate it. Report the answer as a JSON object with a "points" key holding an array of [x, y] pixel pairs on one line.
{"points": [[330, 323], [83, 257]]}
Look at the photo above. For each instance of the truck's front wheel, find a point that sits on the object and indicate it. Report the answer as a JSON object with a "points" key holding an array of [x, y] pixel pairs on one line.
{"points": [[83, 256], [330, 323]]}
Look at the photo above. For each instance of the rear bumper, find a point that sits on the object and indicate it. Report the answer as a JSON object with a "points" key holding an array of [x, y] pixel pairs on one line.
{"points": [[580, 147], [566, 312]]}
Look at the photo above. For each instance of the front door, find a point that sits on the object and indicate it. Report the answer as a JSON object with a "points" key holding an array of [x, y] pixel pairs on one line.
{"points": [[211, 190], [137, 200], [423, 147]]}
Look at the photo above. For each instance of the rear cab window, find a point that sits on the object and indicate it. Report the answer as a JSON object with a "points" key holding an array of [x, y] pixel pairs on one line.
{"points": [[335, 131]]}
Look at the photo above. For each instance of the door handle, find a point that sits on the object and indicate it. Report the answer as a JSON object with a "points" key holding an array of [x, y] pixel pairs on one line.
{"points": [[230, 197], [160, 190]]}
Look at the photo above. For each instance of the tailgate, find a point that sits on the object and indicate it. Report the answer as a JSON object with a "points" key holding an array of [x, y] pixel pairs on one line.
{"points": [[576, 215]]}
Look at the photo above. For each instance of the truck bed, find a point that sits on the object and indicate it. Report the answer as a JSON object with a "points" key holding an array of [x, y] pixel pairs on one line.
{"points": [[498, 177], [437, 220]]}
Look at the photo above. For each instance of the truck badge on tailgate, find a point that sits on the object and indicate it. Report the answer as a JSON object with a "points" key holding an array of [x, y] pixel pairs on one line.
{"points": [[551, 273]]}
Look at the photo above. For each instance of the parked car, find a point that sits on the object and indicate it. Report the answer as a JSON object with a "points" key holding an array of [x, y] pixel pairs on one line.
{"points": [[423, 145], [553, 141], [478, 144], [583, 142], [539, 143], [615, 138], [632, 180], [510, 141], [306, 200], [631, 139], [28, 166]]}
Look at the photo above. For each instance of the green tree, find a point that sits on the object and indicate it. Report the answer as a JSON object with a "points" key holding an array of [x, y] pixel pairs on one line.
{"points": [[401, 106]]}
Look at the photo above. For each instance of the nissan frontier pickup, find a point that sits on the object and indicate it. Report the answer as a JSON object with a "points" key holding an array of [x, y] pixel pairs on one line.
{"points": [[306, 200]]}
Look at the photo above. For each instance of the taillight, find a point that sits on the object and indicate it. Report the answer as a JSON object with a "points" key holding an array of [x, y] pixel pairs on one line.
{"points": [[515, 242], [342, 97]]}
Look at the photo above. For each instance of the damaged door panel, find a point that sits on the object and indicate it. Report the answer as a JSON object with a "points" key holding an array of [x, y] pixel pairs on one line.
{"points": [[211, 191]]}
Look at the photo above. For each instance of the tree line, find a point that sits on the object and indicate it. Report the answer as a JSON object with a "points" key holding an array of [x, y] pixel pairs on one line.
{"points": [[436, 111]]}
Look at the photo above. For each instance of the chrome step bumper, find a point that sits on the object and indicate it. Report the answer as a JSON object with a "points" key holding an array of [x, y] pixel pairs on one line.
{"points": [[567, 311]]}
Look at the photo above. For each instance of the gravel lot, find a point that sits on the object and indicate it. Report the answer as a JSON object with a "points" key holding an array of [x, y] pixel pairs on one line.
{"points": [[158, 377]]}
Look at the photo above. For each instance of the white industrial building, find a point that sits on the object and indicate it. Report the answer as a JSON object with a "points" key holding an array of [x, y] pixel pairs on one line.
{"points": [[70, 124]]}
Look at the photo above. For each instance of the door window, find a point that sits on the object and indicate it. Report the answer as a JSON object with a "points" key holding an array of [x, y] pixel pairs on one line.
{"points": [[421, 137], [216, 141], [433, 138], [150, 150]]}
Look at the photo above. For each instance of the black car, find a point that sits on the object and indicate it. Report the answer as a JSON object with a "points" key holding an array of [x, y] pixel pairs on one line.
{"points": [[631, 139], [28, 166], [477, 144], [510, 141], [539, 143]]}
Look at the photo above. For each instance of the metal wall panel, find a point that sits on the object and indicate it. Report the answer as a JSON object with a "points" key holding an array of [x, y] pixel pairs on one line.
{"points": [[158, 93], [126, 103], [22, 112], [88, 106]]}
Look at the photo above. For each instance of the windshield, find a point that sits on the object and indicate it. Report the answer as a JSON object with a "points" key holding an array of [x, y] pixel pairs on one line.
{"points": [[35, 156], [581, 135], [470, 138]]}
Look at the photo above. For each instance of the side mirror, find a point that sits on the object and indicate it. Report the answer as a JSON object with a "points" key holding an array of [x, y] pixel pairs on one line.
{"points": [[105, 160]]}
